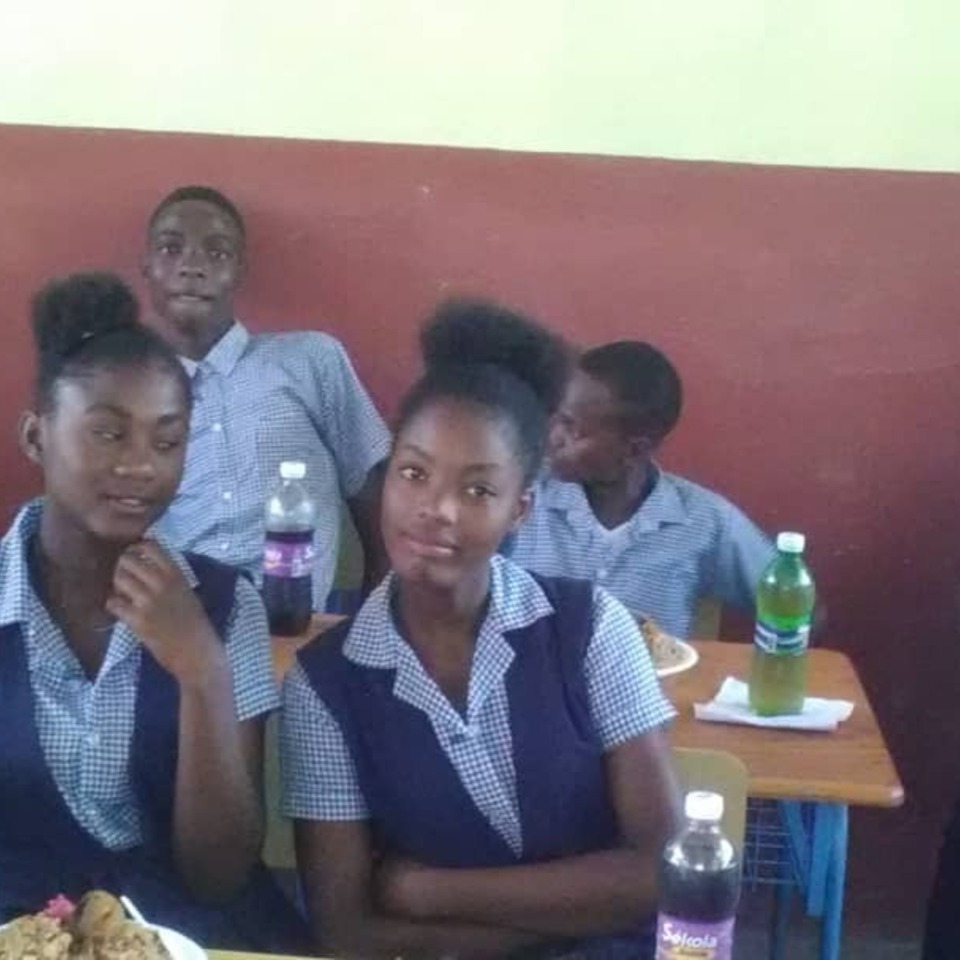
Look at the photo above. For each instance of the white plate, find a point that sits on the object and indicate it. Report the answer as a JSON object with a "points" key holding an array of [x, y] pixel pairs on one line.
{"points": [[180, 947], [690, 658]]}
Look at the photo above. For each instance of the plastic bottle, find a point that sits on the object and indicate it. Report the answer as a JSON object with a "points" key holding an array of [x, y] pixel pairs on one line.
{"points": [[699, 886], [288, 552], [786, 597]]}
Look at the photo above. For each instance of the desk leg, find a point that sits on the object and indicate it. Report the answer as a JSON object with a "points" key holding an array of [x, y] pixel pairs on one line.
{"points": [[828, 868]]}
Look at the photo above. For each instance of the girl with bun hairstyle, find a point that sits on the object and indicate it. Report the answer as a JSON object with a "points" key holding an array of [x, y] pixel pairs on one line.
{"points": [[134, 680], [475, 763]]}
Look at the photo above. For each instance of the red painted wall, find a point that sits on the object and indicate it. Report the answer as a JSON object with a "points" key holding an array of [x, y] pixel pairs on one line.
{"points": [[812, 313]]}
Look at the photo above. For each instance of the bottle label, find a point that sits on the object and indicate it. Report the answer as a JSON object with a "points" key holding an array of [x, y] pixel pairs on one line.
{"points": [[791, 642], [689, 940], [284, 559]]}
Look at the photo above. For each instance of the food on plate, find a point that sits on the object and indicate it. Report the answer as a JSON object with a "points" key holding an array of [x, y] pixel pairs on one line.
{"points": [[667, 651], [95, 929], [35, 937], [97, 913]]}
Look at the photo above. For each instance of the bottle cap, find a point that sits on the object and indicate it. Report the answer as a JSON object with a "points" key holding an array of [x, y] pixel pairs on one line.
{"points": [[791, 542], [293, 470], [703, 805]]}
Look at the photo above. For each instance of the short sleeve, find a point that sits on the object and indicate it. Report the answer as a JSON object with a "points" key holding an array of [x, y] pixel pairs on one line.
{"points": [[248, 651], [349, 424], [622, 685], [742, 555], [318, 774]]}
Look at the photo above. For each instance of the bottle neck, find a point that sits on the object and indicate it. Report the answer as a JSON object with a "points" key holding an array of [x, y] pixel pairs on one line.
{"points": [[703, 826]]}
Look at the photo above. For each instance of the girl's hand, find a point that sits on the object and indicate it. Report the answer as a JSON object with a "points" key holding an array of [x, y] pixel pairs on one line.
{"points": [[152, 597]]}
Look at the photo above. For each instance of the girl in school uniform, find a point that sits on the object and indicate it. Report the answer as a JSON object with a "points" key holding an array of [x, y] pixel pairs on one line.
{"points": [[475, 763], [134, 680]]}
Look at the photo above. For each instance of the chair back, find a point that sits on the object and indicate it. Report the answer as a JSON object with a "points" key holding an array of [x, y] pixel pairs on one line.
{"points": [[722, 773]]}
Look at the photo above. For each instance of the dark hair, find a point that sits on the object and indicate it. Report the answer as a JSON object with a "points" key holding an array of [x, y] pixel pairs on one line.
{"points": [[88, 322], [640, 378], [495, 359], [201, 194]]}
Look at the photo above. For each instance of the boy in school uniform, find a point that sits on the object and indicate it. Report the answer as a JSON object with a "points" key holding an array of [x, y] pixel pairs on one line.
{"points": [[606, 511], [259, 399]]}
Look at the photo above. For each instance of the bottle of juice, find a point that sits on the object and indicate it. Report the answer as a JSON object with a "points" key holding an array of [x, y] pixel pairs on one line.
{"points": [[785, 599], [290, 520], [699, 886]]}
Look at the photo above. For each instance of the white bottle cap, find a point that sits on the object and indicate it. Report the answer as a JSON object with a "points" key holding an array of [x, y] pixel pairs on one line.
{"points": [[293, 470], [703, 805], [791, 542]]}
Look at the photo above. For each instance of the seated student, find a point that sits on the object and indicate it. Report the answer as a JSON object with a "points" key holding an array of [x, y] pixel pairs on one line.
{"points": [[258, 400], [607, 512], [134, 681], [476, 764]]}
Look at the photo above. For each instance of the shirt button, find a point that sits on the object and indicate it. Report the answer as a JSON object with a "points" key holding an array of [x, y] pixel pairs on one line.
{"points": [[224, 547], [227, 495], [92, 739], [601, 573], [217, 427]]}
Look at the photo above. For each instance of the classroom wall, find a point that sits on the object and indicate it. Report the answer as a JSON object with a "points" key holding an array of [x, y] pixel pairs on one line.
{"points": [[867, 83], [812, 314], [811, 311]]}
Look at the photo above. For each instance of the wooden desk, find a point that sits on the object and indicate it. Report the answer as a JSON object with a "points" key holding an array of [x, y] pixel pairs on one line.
{"points": [[849, 765]]}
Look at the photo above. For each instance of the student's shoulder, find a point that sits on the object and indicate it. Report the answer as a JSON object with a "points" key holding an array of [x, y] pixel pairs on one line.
{"points": [[298, 346], [326, 648], [700, 503]]}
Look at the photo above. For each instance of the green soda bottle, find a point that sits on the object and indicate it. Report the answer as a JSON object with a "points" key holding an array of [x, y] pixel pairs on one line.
{"points": [[785, 599]]}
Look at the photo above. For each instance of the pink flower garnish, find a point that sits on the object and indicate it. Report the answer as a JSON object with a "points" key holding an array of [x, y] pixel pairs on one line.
{"points": [[59, 908]]}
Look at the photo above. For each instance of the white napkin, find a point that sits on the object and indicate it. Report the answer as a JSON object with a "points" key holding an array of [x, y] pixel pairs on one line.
{"points": [[731, 705]]}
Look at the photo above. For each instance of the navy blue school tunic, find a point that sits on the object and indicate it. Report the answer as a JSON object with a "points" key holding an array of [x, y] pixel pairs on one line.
{"points": [[43, 849], [418, 806]]}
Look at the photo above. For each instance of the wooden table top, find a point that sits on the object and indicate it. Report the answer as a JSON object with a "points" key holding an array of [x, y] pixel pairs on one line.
{"points": [[849, 765]]}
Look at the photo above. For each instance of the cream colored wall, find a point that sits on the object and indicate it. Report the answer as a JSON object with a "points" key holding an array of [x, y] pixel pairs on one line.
{"points": [[830, 82]]}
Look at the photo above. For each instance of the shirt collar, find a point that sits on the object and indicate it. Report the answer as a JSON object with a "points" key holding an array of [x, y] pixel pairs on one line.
{"points": [[16, 594], [16, 590], [224, 354], [662, 506], [516, 601]]}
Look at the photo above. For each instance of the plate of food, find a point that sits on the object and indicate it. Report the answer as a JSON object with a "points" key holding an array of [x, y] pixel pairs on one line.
{"points": [[670, 654], [96, 928]]}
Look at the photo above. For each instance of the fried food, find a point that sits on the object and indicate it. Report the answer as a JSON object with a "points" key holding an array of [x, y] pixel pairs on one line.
{"points": [[96, 929], [35, 937], [665, 650], [96, 914]]}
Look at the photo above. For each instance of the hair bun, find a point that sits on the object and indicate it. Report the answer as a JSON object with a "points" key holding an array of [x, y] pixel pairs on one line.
{"points": [[468, 332], [70, 311]]}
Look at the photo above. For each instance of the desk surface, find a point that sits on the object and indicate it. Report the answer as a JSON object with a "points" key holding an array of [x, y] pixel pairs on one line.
{"points": [[850, 765]]}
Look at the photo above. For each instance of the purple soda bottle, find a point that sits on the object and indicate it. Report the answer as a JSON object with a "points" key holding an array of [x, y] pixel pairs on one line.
{"points": [[699, 886], [290, 521]]}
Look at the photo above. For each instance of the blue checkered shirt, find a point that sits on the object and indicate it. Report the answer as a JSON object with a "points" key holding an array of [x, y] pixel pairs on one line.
{"points": [[259, 400], [319, 777], [683, 544], [86, 726]]}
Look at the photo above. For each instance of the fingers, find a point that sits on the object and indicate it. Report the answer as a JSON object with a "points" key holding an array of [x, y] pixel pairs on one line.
{"points": [[145, 567]]}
